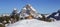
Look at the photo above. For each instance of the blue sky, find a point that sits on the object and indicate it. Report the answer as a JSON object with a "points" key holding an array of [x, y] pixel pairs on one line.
{"points": [[42, 6]]}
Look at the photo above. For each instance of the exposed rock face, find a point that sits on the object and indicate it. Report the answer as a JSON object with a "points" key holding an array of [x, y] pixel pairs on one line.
{"points": [[28, 10], [55, 15], [14, 11]]}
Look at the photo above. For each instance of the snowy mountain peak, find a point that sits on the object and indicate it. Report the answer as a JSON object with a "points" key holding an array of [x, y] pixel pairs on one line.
{"points": [[28, 10], [14, 9], [29, 7]]}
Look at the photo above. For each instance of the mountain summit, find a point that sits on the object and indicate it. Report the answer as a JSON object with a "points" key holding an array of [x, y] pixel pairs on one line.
{"points": [[29, 7], [28, 10]]}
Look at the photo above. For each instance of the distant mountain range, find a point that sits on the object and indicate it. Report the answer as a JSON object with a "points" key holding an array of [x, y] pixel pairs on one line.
{"points": [[29, 10], [55, 15]]}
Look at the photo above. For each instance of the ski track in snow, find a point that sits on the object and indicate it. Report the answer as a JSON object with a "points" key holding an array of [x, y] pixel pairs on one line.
{"points": [[34, 23]]}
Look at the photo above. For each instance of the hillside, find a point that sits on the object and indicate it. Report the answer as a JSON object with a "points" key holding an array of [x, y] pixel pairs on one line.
{"points": [[34, 23]]}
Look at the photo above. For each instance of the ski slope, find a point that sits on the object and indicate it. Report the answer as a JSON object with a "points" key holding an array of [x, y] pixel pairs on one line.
{"points": [[34, 23]]}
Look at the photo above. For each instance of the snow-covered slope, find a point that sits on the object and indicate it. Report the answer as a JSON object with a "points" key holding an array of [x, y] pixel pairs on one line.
{"points": [[34, 23]]}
